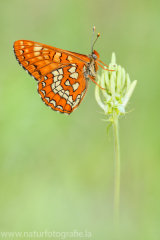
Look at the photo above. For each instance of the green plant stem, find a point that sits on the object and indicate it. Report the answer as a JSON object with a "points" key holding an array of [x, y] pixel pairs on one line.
{"points": [[117, 168]]}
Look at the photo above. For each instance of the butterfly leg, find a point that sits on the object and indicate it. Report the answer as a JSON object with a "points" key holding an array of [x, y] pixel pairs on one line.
{"points": [[95, 82], [105, 68], [103, 63]]}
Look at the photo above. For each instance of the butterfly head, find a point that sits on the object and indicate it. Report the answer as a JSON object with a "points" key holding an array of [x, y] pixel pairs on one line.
{"points": [[95, 55]]}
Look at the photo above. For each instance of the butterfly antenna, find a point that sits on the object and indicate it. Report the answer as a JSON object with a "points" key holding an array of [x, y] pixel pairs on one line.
{"points": [[98, 34], [92, 39]]}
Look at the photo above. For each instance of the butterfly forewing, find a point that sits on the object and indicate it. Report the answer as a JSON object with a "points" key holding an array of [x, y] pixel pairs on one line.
{"points": [[60, 74]]}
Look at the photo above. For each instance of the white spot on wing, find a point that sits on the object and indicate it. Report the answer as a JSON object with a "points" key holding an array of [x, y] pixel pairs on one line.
{"points": [[43, 84], [53, 86], [55, 79], [75, 86], [70, 99], [55, 73], [67, 92], [60, 107], [60, 77], [72, 69], [67, 83], [59, 88], [61, 93], [53, 102], [74, 75], [69, 103], [44, 93], [47, 98], [55, 90], [75, 103], [57, 83], [60, 71], [66, 95]]}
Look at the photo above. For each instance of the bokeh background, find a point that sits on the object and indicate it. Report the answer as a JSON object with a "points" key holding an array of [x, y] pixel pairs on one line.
{"points": [[57, 171]]}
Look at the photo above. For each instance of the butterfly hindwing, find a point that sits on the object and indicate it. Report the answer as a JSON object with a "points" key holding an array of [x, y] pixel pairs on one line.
{"points": [[62, 92]]}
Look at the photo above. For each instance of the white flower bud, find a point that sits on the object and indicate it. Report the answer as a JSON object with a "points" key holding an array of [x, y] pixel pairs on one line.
{"points": [[118, 89]]}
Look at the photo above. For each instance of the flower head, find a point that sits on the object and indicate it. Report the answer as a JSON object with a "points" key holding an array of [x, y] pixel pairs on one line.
{"points": [[118, 89]]}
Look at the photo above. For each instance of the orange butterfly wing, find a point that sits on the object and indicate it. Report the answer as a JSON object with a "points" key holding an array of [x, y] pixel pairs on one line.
{"points": [[60, 73]]}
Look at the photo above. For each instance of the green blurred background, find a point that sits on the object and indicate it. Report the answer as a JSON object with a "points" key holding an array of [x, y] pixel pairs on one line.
{"points": [[57, 171]]}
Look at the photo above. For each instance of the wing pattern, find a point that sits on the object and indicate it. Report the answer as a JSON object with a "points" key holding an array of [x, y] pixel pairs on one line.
{"points": [[60, 74]]}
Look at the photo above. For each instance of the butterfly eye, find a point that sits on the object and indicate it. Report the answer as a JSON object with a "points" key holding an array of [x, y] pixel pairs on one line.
{"points": [[94, 56]]}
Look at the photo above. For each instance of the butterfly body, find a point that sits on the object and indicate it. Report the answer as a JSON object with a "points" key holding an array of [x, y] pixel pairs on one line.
{"points": [[62, 75], [92, 67]]}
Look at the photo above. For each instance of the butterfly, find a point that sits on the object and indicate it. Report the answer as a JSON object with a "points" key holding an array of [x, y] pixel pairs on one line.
{"points": [[62, 75]]}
